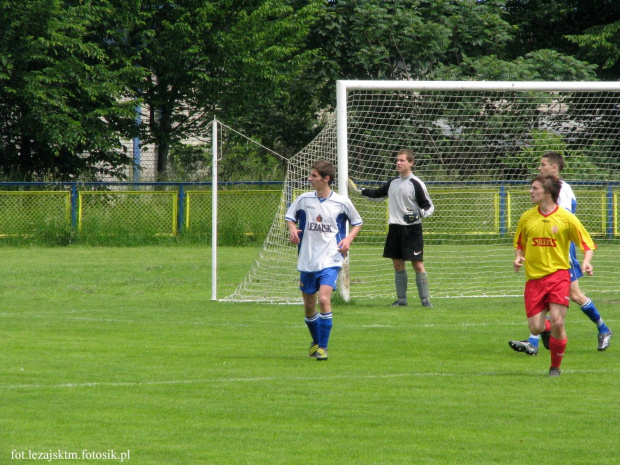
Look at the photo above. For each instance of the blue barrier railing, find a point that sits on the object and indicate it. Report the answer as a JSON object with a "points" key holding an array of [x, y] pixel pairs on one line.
{"points": [[181, 187]]}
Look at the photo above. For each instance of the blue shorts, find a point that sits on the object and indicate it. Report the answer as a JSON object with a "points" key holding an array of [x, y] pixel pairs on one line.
{"points": [[575, 267], [309, 282]]}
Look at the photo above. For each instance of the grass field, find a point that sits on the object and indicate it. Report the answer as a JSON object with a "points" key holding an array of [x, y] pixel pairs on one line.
{"points": [[121, 349]]}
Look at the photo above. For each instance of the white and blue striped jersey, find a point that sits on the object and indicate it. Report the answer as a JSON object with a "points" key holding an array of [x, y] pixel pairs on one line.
{"points": [[568, 201], [323, 225]]}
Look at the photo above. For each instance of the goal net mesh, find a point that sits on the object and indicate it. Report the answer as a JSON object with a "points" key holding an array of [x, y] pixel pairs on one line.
{"points": [[477, 151]]}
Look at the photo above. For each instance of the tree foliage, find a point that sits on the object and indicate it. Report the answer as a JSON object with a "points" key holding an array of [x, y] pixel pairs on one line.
{"points": [[72, 72], [601, 44], [442, 39], [243, 61], [546, 23], [64, 103]]}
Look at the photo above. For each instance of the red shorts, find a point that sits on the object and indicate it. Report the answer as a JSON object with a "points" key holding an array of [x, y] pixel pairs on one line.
{"points": [[550, 289]]}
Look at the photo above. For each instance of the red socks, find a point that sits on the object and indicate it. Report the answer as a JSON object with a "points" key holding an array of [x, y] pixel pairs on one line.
{"points": [[557, 348]]}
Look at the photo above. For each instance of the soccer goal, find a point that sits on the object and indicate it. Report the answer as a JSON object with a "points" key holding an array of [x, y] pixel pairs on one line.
{"points": [[477, 145]]}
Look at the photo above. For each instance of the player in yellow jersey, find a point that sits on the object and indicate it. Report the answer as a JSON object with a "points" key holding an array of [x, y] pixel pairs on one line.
{"points": [[553, 163], [542, 243]]}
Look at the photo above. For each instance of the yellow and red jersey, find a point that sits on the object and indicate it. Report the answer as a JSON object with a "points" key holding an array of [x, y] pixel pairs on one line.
{"points": [[545, 240]]}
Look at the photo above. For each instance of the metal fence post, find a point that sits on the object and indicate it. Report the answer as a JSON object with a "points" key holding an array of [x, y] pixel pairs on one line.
{"points": [[74, 202], [610, 212], [214, 147], [502, 211], [181, 216]]}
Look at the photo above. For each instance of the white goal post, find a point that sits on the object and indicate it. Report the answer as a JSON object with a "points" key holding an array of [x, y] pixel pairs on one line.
{"points": [[477, 146]]}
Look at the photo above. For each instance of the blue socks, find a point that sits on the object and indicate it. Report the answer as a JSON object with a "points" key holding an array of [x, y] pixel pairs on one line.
{"points": [[320, 327], [590, 310], [533, 340], [325, 328], [313, 326]]}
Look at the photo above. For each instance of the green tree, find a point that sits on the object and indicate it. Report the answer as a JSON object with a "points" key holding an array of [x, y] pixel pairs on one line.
{"points": [[64, 105], [242, 61], [415, 39], [374, 39], [540, 65], [601, 44], [565, 26], [449, 40]]}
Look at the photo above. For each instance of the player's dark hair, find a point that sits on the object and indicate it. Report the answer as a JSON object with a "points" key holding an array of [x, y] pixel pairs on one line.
{"points": [[325, 168], [555, 158], [550, 184], [409, 154]]}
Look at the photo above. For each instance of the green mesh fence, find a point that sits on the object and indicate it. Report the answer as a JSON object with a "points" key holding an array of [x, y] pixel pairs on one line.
{"points": [[133, 212], [30, 213], [246, 213], [107, 210], [243, 215]]}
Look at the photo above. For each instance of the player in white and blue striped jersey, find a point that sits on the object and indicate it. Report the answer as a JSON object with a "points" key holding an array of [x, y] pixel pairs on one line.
{"points": [[317, 224]]}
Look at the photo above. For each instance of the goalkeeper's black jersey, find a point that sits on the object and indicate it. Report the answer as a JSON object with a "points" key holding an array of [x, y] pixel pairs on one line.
{"points": [[405, 193]]}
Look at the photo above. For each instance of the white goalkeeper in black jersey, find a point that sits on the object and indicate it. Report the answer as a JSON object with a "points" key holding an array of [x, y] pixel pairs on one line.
{"points": [[409, 203]]}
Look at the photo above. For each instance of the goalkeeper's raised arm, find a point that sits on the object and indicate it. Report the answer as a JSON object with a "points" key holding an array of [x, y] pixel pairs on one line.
{"points": [[375, 194]]}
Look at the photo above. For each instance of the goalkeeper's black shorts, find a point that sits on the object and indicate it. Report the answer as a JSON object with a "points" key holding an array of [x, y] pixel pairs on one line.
{"points": [[404, 242]]}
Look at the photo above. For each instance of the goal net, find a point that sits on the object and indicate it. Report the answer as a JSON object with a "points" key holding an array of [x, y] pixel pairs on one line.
{"points": [[477, 146]]}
